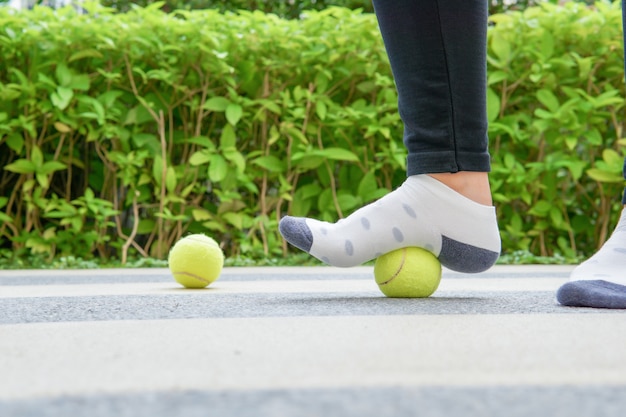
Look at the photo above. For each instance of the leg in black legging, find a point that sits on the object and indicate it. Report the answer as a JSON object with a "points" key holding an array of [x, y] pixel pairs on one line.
{"points": [[437, 51]]}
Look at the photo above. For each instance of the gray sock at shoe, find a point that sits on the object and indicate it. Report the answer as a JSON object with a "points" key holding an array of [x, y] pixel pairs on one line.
{"points": [[600, 281]]}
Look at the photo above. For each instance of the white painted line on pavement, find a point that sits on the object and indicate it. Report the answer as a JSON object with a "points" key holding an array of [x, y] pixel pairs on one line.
{"points": [[271, 286], [522, 270]]}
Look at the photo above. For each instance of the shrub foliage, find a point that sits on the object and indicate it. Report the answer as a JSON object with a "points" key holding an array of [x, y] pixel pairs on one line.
{"points": [[119, 133]]}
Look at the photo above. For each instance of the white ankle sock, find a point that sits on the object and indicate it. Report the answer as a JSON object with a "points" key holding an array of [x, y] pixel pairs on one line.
{"points": [[609, 263], [422, 212]]}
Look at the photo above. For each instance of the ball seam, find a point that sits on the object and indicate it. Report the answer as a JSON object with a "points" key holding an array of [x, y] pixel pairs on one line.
{"points": [[395, 274], [189, 274]]}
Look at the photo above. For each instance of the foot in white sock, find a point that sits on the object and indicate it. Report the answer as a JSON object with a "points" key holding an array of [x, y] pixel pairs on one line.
{"points": [[600, 281], [423, 212]]}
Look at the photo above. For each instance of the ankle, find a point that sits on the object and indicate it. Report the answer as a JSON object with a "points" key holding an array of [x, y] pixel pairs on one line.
{"points": [[473, 185]]}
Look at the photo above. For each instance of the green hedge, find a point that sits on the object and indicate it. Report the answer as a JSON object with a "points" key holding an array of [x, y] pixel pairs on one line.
{"points": [[556, 111], [290, 9], [283, 8], [119, 133]]}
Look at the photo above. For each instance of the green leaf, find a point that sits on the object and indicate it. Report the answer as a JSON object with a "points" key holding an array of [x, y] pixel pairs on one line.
{"points": [[233, 113], [548, 99], [10, 92], [62, 97], [306, 161], [216, 104], [547, 45], [146, 140], [203, 141], [270, 163], [200, 158], [501, 47], [367, 186], [201, 214], [321, 82], [556, 217], [187, 190], [146, 226], [347, 202], [297, 134], [138, 115], [15, 141], [52, 166], [544, 114], [594, 137], [228, 139], [36, 156], [576, 168], [218, 168], [235, 219], [496, 77], [42, 179], [63, 74], [86, 53], [170, 180], [80, 82], [321, 109], [604, 176], [309, 191], [21, 166], [5, 218], [337, 154], [493, 105], [236, 158], [571, 142], [540, 208], [271, 106], [613, 159], [62, 127], [157, 169]]}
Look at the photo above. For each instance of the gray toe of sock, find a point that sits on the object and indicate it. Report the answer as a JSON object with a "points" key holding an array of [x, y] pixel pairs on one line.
{"points": [[596, 293], [296, 232]]}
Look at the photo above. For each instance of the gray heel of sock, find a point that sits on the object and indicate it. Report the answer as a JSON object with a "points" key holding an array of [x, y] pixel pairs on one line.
{"points": [[296, 232], [462, 257], [592, 293]]}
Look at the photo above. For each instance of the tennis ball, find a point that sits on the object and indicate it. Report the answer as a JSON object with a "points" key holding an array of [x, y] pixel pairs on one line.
{"points": [[408, 273], [196, 261]]}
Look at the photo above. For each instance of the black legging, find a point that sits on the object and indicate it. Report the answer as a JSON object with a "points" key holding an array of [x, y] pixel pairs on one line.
{"points": [[438, 55]]}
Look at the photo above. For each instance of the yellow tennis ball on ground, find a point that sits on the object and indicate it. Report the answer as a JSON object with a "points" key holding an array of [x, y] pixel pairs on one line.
{"points": [[408, 273], [196, 261]]}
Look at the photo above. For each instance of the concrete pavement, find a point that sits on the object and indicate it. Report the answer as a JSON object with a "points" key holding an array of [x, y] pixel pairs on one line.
{"points": [[304, 342]]}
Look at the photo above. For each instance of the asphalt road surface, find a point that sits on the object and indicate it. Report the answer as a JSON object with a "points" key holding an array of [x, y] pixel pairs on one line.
{"points": [[304, 342]]}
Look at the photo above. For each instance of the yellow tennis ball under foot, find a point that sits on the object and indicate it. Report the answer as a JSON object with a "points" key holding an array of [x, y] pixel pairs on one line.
{"points": [[196, 261], [409, 272]]}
